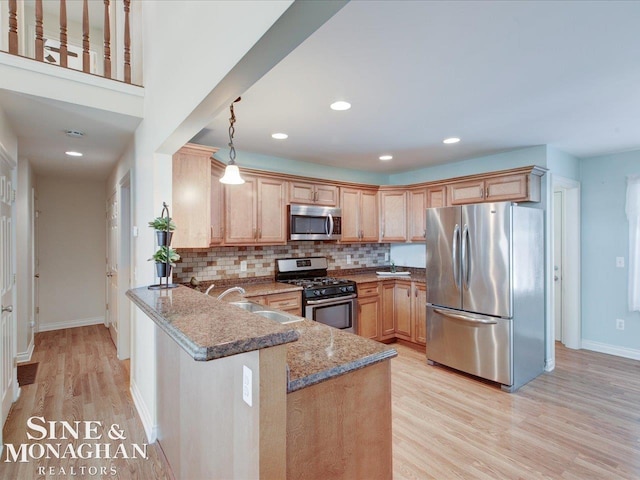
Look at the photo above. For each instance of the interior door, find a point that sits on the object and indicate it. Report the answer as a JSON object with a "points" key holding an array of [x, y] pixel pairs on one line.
{"points": [[486, 259], [443, 256], [7, 321], [112, 267]]}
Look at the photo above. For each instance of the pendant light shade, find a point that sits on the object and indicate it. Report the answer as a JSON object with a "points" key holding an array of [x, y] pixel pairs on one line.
{"points": [[232, 172], [232, 175]]}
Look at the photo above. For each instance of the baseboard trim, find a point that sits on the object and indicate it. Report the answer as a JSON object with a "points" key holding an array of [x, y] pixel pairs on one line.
{"points": [[611, 349], [26, 356], [150, 429], [81, 322]]}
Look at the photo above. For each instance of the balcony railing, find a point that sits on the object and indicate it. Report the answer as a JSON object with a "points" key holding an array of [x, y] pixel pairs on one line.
{"points": [[74, 34]]}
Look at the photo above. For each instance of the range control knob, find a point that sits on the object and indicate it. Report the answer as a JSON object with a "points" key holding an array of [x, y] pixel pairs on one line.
{"points": [[344, 289], [316, 292]]}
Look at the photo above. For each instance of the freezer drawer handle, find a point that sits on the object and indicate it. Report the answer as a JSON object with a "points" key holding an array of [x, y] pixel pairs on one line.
{"points": [[464, 318]]}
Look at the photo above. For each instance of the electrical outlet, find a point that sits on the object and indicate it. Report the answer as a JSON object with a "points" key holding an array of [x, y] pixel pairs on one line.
{"points": [[620, 324], [386, 256], [620, 262], [348, 259], [243, 266], [247, 394], [134, 231]]}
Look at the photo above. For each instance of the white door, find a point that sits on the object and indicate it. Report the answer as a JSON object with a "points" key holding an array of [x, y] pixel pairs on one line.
{"points": [[112, 267], [36, 263], [558, 235], [8, 385]]}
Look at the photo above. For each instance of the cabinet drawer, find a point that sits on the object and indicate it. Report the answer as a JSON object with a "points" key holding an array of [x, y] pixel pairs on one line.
{"points": [[282, 301], [368, 289]]}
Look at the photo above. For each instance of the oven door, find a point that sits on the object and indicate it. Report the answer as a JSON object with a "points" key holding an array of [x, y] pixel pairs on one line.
{"points": [[336, 312]]}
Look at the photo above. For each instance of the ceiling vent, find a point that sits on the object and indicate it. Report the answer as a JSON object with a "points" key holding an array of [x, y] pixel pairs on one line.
{"points": [[74, 133]]}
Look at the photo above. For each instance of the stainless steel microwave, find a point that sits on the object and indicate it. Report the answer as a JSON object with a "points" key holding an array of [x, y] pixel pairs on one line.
{"points": [[311, 222]]}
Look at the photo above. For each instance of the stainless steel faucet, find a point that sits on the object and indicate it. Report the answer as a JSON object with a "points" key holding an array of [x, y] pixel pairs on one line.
{"points": [[209, 288], [229, 290]]}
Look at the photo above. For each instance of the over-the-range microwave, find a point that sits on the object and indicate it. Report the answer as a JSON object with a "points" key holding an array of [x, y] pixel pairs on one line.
{"points": [[312, 222]]}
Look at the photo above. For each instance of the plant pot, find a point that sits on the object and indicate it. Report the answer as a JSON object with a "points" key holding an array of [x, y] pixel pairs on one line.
{"points": [[162, 271], [164, 238]]}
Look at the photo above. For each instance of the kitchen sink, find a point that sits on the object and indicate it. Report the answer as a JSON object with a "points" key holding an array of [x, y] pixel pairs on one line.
{"points": [[248, 306], [278, 316], [263, 311]]}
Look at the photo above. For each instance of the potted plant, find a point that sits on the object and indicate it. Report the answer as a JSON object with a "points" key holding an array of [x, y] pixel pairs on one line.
{"points": [[165, 256], [164, 228]]}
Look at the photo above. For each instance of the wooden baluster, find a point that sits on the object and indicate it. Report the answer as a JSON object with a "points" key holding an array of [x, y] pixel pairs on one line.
{"points": [[107, 41], [39, 34], [13, 27], [86, 59], [63, 33], [127, 42]]}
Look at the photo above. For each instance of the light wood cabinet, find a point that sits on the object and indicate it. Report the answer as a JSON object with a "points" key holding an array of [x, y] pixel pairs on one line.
{"points": [[393, 216], [315, 194], [369, 321], [196, 207], [437, 196], [290, 302], [359, 215], [498, 188], [255, 212], [388, 309], [402, 312], [417, 214], [419, 314]]}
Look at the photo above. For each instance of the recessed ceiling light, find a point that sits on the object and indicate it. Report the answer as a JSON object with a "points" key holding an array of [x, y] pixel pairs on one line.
{"points": [[385, 157], [279, 136], [451, 140], [340, 105], [71, 153]]}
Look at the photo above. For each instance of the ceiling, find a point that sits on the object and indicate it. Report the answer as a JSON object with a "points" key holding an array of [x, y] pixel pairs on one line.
{"points": [[40, 125], [499, 75]]}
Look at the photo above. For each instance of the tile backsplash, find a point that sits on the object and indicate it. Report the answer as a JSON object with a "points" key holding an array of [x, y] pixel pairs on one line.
{"points": [[221, 263]]}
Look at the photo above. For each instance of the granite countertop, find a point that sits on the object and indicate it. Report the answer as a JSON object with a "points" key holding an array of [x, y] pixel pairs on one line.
{"points": [[208, 328], [372, 277], [323, 352]]}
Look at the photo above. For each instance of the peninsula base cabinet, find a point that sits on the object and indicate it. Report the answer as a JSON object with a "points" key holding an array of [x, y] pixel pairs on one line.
{"points": [[341, 428]]}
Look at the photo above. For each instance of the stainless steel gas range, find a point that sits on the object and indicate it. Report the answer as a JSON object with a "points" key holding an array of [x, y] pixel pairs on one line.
{"points": [[327, 300]]}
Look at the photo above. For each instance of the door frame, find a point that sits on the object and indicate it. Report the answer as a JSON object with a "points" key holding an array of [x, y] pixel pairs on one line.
{"points": [[571, 309], [125, 215]]}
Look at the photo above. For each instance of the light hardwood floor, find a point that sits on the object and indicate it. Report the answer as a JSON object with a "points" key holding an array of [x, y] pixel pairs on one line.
{"points": [[582, 421], [79, 378]]}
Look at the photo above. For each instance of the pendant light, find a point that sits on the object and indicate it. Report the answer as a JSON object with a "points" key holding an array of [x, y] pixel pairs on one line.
{"points": [[232, 172]]}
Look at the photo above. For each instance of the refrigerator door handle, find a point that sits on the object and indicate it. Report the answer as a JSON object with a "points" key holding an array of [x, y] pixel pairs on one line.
{"points": [[464, 318], [454, 256], [465, 257]]}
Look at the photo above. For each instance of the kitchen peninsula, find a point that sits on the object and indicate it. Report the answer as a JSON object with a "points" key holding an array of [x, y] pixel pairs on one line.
{"points": [[241, 396]]}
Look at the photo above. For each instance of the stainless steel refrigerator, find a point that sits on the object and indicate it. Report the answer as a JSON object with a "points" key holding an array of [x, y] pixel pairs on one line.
{"points": [[485, 291]]}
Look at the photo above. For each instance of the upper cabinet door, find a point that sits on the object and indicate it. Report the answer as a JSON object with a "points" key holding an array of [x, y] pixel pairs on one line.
{"points": [[466, 192], [393, 216], [350, 201], [508, 187], [272, 226], [369, 216], [313, 194], [192, 197], [241, 213], [417, 215]]}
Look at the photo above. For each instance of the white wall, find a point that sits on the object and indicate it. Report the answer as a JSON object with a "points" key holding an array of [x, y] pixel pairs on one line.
{"points": [[72, 246], [24, 266], [207, 39]]}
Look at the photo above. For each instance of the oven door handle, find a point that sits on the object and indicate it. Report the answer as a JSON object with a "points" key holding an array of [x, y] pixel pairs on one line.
{"points": [[331, 300]]}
